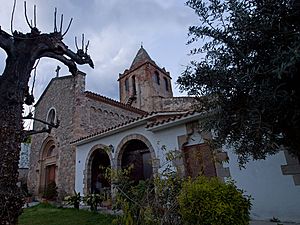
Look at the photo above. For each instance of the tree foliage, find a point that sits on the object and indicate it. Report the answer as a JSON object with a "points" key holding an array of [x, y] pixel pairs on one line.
{"points": [[249, 73]]}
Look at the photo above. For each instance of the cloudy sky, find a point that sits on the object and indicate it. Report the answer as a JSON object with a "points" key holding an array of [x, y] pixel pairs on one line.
{"points": [[115, 29]]}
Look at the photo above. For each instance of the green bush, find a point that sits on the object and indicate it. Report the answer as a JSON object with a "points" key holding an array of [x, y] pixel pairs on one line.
{"points": [[73, 199], [50, 193], [150, 202], [93, 200], [207, 201]]}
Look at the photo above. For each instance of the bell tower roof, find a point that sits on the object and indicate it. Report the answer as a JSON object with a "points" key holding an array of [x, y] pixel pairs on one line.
{"points": [[141, 57]]}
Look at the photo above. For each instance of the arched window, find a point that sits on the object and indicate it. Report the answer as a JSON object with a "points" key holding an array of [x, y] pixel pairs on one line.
{"points": [[166, 84], [126, 85], [51, 116], [133, 85], [156, 77]]}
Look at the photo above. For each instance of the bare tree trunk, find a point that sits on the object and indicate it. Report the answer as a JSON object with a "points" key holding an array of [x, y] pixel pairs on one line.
{"points": [[13, 84], [23, 50], [10, 139]]}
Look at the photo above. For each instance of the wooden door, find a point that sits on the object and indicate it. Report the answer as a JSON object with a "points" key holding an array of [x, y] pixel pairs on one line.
{"points": [[199, 160], [50, 174]]}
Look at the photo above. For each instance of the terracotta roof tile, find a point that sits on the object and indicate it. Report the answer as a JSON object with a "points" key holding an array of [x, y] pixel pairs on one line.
{"points": [[127, 122], [171, 119], [113, 102]]}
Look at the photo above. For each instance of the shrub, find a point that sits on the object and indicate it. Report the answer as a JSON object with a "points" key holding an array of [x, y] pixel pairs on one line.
{"points": [[209, 201], [50, 193], [150, 202], [93, 200], [74, 200]]}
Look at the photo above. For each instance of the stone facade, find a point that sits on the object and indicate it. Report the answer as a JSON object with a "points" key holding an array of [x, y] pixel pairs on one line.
{"points": [[79, 113]]}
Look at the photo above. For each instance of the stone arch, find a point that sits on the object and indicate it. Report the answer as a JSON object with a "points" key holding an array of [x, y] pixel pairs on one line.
{"points": [[48, 163], [120, 150], [87, 173]]}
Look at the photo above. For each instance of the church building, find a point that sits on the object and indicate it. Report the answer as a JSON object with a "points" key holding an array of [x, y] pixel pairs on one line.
{"points": [[144, 88], [97, 132]]}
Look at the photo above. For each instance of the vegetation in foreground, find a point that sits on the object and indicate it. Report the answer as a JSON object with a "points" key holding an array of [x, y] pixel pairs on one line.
{"points": [[47, 214], [171, 200], [251, 72]]}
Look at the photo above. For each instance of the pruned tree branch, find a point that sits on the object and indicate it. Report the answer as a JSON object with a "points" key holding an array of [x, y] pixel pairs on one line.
{"points": [[76, 44], [86, 47], [61, 23], [34, 15], [68, 62], [46, 129], [55, 26], [80, 57], [52, 125], [12, 16], [31, 132], [82, 42], [6, 41], [69, 25], [25, 13]]}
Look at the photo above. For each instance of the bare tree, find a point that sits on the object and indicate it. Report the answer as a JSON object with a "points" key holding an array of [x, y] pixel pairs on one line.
{"points": [[23, 50]]}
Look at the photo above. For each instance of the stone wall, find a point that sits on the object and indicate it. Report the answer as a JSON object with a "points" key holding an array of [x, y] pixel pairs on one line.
{"points": [[80, 114], [102, 113], [59, 95], [174, 103], [146, 86]]}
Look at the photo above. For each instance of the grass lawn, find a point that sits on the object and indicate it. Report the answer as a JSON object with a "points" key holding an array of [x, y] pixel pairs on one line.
{"points": [[44, 214]]}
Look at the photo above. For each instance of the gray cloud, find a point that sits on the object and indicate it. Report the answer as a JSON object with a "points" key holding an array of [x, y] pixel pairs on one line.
{"points": [[115, 29]]}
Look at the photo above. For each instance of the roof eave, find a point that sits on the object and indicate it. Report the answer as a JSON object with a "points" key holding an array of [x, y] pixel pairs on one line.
{"points": [[114, 131], [187, 119], [121, 128]]}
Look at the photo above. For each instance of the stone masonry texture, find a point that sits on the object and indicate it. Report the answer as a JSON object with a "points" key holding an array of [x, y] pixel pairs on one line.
{"points": [[79, 115]]}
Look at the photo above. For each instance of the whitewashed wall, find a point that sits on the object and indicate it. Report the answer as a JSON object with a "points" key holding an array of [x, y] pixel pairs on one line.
{"points": [[275, 195], [165, 137]]}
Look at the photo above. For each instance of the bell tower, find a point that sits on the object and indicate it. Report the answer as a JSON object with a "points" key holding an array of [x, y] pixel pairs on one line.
{"points": [[144, 84]]}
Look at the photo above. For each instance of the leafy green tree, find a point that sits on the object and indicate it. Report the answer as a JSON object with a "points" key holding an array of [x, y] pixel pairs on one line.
{"points": [[249, 74]]}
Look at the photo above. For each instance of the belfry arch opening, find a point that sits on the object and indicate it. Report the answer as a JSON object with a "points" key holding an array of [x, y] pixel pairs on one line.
{"points": [[99, 163], [137, 155]]}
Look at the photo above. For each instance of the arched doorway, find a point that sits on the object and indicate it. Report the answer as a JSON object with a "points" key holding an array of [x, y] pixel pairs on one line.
{"points": [[137, 154], [99, 163], [48, 164]]}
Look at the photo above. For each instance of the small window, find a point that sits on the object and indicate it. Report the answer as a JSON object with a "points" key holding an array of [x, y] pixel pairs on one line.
{"points": [[126, 85], [156, 77], [51, 117], [166, 84], [133, 85]]}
